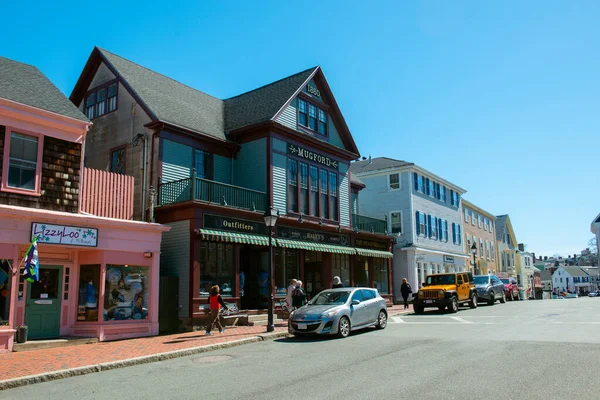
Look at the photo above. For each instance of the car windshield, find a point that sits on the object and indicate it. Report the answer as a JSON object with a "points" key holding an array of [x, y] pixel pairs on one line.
{"points": [[507, 281], [481, 280], [330, 297], [441, 280]]}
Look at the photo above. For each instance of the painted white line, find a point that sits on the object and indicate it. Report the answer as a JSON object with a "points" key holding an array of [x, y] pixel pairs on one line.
{"points": [[459, 319], [398, 320]]}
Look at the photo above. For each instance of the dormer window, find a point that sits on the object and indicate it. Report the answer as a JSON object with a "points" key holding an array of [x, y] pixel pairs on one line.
{"points": [[312, 117]]}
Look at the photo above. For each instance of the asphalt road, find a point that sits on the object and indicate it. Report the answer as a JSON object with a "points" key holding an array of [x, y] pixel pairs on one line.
{"points": [[546, 349]]}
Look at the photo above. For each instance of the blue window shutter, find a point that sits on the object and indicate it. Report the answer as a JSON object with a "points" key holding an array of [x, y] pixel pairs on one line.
{"points": [[418, 221], [440, 229], [446, 229], [416, 178], [454, 232], [459, 234], [428, 234], [445, 194]]}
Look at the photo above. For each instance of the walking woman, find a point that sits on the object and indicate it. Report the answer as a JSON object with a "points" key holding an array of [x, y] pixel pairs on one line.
{"points": [[405, 290], [215, 305]]}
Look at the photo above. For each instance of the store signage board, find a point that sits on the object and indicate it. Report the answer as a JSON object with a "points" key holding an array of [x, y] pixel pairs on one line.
{"points": [[370, 244], [311, 156], [66, 235], [233, 224], [311, 236], [449, 259]]}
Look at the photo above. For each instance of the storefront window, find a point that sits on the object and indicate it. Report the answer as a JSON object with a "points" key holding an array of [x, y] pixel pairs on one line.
{"points": [[380, 275], [217, 267], [127, 292], [5, 282], [361, 272], [341, 267], [286, 268], [89, 284]]}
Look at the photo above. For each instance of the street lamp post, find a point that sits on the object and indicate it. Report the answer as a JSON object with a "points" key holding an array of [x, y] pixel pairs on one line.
{"points": [[474, 251], [270, 217]]}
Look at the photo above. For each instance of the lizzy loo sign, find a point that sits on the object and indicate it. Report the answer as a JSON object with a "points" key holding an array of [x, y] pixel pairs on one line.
{"points": [[60, 234]]}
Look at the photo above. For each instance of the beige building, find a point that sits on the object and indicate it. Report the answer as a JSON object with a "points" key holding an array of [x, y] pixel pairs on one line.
{"points": [[479, 228]]}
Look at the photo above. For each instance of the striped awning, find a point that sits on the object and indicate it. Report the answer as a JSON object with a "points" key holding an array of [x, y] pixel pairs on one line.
{"points": [[373, 253], [325, 248], [233, 237]]}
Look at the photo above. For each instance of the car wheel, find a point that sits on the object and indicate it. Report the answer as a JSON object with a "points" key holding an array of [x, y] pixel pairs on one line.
{"points": [[381, 320], [344, 327], [492, 299], [418, 309], [473, 301], [503, 299], [453, 307]]}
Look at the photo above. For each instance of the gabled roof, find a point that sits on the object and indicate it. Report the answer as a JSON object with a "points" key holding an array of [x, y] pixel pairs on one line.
{"points": [[25, 84], [546, 275], [575, 271], [480, 210], [377, 164], [355, 181], [262, 104], [500, 226]]}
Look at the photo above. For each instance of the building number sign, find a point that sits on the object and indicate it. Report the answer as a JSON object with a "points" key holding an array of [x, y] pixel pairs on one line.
{"points": [[313, 90], [311, 156]]}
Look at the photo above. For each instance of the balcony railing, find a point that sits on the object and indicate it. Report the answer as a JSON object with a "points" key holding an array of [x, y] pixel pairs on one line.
{"points": [[368, 224], [200, 189]]}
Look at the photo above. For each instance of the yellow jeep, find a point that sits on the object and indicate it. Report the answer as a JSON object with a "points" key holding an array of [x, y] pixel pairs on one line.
{"points": [[446, 290]]}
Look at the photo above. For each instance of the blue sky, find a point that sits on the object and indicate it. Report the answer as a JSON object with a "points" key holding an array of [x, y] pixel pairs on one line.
{"points": [[501, 98]]}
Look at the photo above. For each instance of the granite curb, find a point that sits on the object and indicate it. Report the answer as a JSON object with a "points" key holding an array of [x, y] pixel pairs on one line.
{"points": [[71, 372]]}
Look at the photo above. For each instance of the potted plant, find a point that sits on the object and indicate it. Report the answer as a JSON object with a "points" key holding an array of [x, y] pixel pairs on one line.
{"points": [[22, 333]]}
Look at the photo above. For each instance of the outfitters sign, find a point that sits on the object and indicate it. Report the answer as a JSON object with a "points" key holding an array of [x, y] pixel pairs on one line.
{"points": [[311, 236], [232, 224], [311, 156]]}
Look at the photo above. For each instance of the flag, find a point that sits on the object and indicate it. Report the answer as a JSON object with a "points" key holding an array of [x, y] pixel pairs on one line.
{"points": [[31, 263]]}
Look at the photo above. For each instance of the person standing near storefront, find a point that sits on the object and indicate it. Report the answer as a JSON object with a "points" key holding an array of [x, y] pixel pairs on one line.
{"points": [[405, 290], [290, 289], [298, 296], [337, 283], [216, 301]]}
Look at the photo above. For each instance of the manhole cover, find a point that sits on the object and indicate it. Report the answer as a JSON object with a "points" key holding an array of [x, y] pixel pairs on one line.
{"points": [[209, 359]]}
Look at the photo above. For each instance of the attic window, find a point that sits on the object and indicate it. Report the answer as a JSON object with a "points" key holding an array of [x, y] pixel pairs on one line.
{"points": [[101, 100], [312, 117]]}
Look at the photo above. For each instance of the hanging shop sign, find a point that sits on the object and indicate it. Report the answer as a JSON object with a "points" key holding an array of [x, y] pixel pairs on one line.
{"points": [[60, 234], [311, 156], [233, 224], [449, 259], [371, 244], [311, 236]]}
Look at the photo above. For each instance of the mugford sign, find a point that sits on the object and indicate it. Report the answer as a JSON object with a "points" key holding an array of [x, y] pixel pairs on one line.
{"points": [[311, 156], [60, 234]]}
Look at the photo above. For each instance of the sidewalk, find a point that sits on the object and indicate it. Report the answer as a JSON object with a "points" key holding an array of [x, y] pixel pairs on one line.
{"points": [[21, 368]]}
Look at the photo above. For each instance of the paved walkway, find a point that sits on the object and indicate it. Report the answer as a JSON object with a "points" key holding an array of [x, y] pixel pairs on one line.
{"points": [[21, 364]]}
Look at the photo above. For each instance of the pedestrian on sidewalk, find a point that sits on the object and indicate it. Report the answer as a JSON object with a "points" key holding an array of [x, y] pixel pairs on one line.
{"points": [[405, 290], [216, 301], [290, 289], [298, 296], [337, 283]]}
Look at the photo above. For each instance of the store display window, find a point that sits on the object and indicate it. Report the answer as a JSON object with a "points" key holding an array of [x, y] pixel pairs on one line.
{"points": [[218, 268], [286, 268], [89, 285], [5, 283], [380, 275], [127, 292]]}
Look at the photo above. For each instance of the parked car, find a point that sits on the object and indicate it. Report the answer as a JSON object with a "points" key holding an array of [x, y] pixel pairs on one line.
{"points": [[338, 312], [593, 294], [446, 290], [489, 288], [511, 289], [571, 296]]}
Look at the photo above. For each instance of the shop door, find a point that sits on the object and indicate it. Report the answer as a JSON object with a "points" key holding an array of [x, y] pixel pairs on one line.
{"points": [[312, 277], [42, 314]]}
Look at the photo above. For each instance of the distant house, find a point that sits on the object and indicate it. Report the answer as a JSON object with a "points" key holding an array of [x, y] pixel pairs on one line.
{"points": [[571, 279]]}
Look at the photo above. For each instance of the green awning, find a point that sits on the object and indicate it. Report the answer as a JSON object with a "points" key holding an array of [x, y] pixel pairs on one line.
{"points": [[374, 253], [233, 237], [325, 248]]}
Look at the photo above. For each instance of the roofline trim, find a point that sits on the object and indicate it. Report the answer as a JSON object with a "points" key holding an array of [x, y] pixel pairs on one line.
{"points": [[478, 209]]}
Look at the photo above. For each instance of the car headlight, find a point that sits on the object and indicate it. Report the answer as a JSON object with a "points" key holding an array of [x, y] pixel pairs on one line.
{"points": [[420, 293], [441, 292], [330, 314]]}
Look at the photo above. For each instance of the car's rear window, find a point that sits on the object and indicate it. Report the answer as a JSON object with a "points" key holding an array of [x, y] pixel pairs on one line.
{"points": [[481, 280]]}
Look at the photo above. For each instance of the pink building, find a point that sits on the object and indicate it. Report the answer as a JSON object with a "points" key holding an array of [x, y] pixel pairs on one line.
{"points": [[98, 276]]}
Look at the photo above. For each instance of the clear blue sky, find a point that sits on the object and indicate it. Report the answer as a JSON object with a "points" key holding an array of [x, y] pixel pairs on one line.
{"points": [[501, 98]]}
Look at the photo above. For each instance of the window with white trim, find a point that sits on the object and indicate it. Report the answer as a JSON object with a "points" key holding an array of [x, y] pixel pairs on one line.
{"points": [[24, 165], [396, 222], [479, 220], [394, 181], [466, 214], [312, 117], [485, 224]]}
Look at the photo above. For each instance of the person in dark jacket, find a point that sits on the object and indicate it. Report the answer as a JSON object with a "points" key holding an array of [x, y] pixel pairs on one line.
{"points": [[337, 283], [215, 301], [298, 296], [405, 290]]}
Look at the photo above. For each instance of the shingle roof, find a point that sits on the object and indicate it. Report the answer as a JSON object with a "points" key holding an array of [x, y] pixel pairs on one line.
{"points": [[354, 180], [376, 164], [500, 226], [546, 275], [575, 271], [172, 101], [25, 84], [260, 105]]}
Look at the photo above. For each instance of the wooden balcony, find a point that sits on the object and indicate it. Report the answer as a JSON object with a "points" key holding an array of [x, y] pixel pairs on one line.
{"points": [[368, 224], [106, 194], [205, 190]]}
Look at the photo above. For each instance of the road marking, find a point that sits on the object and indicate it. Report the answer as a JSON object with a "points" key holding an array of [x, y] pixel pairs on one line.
{"points": [[459, 319], [398, 320]]}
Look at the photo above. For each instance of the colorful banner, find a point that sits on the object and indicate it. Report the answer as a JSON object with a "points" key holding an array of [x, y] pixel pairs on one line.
{"points": [[31, 263]]}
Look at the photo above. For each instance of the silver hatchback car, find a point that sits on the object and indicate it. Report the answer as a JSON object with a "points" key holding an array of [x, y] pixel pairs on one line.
{"points": [[339, 311]]}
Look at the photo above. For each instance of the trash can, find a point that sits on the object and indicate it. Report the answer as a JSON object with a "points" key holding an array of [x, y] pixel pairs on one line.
{"points": [[22, 334]]}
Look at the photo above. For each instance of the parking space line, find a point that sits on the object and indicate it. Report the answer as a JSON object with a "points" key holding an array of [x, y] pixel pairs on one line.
{"points": [[398, 320]]}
